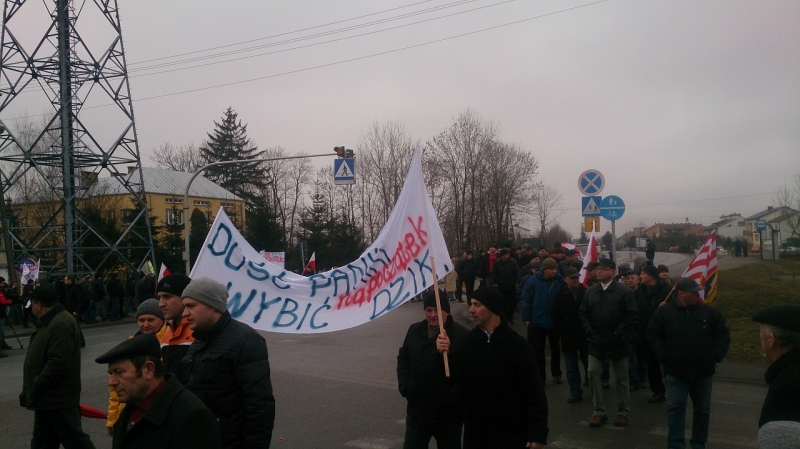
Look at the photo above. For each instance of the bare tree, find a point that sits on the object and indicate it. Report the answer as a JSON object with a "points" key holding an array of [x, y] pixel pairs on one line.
{"points": [[789, 196], [185, 158], [557, 234], [547, 208], [285, 181]]}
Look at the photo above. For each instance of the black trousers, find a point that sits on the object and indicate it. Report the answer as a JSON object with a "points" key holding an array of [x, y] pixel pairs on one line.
{"points": [[470, 287], [418, 434], [537, 337], [653, 367], [509, 303], [52, 428]]}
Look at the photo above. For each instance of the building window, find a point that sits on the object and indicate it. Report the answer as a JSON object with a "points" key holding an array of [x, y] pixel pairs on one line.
{"points": [[740, 224], [200, 203], [227, 205], [111, 215], [174, 216], [174, 200], [128, 216]]}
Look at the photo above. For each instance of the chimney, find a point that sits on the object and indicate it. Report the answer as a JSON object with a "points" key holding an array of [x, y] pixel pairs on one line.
{"points": [[769, 207]]}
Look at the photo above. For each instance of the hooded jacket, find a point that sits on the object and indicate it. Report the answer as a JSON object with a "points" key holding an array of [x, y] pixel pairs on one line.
{"points": [[537, 299]]}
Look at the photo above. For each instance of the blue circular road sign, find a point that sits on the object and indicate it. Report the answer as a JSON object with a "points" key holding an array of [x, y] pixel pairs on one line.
{"points": [[612, 207], [591, 182]]}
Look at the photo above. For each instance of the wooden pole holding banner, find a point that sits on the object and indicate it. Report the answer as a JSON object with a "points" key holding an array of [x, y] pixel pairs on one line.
{"points": [[439, 312]]}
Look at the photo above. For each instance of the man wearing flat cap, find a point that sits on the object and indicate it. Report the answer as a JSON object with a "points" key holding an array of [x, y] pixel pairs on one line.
{"points": [[227, 367], [505, 404], [689, 337], [159, 411], [608, 315], [434, 405], [779, 330], [52, 375]]}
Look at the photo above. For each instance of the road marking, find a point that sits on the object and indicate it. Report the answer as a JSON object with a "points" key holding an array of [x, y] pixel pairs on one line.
{"points": [[386, 442], [609, 425], [573, 442], [716, 440]]}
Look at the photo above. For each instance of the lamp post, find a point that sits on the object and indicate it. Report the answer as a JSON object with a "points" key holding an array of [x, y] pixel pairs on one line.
{"points": [[186, 257]]}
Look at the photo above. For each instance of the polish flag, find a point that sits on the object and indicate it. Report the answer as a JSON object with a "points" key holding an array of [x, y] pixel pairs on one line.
{"points": [[590, 256], [312, 264], [163, 272]]}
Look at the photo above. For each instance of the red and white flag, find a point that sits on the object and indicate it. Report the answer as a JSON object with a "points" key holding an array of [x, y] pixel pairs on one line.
{"points": [[703, 269], [312, 264], [590, 256], [568, 245], [163, 272]]}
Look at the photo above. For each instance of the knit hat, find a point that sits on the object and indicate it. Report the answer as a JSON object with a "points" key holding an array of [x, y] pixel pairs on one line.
{"points": [[549, 263], [490, 298], [45, 293], [150, 307], [650, 270], [429, 300], [173, 283], [662, 268], [208, 292]]}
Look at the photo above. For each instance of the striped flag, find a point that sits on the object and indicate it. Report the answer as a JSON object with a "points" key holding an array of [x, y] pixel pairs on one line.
{"points": [[703, 269], [590, 256]]}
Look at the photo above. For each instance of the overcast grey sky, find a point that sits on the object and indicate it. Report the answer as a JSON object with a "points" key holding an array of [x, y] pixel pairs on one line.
{"points": [[690, 109]]}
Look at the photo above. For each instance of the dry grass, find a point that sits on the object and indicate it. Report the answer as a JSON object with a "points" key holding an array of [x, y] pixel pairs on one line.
{"points": [[746, 290]]}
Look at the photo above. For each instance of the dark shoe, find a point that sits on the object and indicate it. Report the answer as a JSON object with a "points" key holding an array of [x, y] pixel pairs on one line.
{"points": [[656, 398], [606, 385], [6, 346], [3, 355], [573, 399], [621, 421], [597, 420], [557, 380]]}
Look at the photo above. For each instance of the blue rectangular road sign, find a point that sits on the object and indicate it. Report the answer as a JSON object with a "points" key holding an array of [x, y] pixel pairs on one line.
{"points": [[344, 171], [590, 206], [761, 225]]}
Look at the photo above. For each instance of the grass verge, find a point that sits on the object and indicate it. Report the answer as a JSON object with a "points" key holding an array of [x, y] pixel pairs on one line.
{"points": [[744, 291]]}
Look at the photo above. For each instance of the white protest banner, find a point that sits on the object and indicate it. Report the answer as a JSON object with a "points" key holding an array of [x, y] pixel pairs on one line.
{"points": [[275, 258], [31, 272], [395, 268]]}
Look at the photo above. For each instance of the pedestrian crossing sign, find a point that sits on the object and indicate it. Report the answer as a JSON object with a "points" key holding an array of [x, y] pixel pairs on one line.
{"points": [[344, 171], [590, 206]]}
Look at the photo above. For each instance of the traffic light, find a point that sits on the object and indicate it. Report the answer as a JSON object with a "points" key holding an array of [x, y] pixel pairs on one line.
{"points": [[339, 151], [348, 153]]}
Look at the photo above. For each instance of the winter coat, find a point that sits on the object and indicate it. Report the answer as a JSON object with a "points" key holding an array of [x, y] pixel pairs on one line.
{"points": [[175, 343], [505, 274], [486, 266], [450, 282], [609, 318], [141, 290], [537, 299], [52, 372], [783, 398], [431, 398], [228, 369], [75, 299], [689, 341], [648, 299], [502, 386], [567, 320], [467, 269], [650, 251], [175, 419], [115, 288]]}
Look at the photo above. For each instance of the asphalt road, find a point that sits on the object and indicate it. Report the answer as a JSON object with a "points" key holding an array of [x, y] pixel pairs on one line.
{"points": [[339, 390]]}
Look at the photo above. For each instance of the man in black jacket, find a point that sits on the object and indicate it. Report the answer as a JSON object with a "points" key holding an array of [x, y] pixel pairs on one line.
{"points": [[650, 251], [780, 341], [689, 338], [227, 367], [504, 276], [566, 317], [506, 407], [651, 292], [609, 316], [434, 405], [467, 270], [160, 413]]}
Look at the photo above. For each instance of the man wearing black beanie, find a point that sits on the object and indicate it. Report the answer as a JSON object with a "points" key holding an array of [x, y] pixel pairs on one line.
{"points": [[434, 406], [505, 402]]}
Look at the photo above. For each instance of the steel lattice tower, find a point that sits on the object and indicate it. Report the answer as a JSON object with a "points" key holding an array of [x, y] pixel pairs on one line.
{"points": [[85, 146]]}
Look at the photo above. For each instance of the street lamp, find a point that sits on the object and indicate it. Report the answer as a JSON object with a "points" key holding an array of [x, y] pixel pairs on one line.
{"points": [[186, 257]]}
